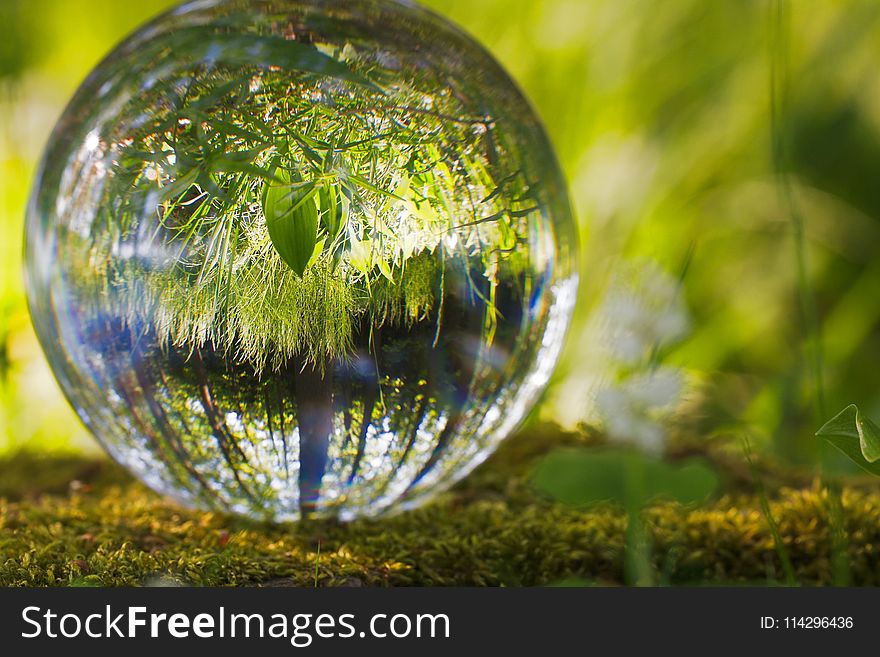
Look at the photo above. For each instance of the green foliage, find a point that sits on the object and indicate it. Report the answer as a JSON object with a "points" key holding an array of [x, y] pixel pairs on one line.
{"points": [[270, 314], [266, 314], [252, 168], [856, 436], [407, 297]]}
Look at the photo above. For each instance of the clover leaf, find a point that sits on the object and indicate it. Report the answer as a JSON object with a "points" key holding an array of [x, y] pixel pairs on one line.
{"points": [[856, 436]]}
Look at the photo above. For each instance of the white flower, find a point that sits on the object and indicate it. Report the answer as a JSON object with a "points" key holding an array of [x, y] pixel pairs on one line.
{"points": [[659, 389], [633, 411], [643, 313], [643, 309]]}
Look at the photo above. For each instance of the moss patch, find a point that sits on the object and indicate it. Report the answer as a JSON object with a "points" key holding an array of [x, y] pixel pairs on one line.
{"points": [[74, 521]]}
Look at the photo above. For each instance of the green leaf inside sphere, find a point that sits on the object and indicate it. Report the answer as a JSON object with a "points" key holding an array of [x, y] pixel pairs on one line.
{"points": [[292, 219]]}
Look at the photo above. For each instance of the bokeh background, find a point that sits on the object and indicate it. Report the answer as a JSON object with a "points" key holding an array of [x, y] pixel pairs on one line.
{"points": [[734, 146]]}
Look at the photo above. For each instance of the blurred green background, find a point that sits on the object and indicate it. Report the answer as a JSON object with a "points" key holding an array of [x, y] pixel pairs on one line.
{"points": [[729, 142]]}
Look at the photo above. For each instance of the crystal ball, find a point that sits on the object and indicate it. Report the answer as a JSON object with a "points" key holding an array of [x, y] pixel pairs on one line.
{"points": [[300, 258]]}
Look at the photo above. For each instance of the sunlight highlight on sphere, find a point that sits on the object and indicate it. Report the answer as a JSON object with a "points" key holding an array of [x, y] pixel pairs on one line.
{"points": [[300, 258]]}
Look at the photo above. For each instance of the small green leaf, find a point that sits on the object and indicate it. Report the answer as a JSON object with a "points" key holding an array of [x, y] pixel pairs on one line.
{"points": [[316, 253], [292, 219], [856, 436], [385, 269], [332, 211], [507, 235]]}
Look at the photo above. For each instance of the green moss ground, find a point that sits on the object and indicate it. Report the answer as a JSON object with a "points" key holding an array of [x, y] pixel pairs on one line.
{"points": [[75, 521]]}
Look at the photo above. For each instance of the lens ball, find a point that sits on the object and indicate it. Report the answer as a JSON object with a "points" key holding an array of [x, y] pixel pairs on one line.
{"points": [[293, 258]]}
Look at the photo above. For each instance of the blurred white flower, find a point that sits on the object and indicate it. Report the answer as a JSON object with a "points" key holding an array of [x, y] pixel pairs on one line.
{"points": [[643, 314], [621, 386], [634, 410]]}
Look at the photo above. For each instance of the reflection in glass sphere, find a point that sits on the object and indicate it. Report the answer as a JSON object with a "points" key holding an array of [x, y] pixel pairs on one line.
{"points": [[300, 257]]}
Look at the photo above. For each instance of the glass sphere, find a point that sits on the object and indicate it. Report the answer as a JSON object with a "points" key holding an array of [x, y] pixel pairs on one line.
{"points": [[295, 258]]}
